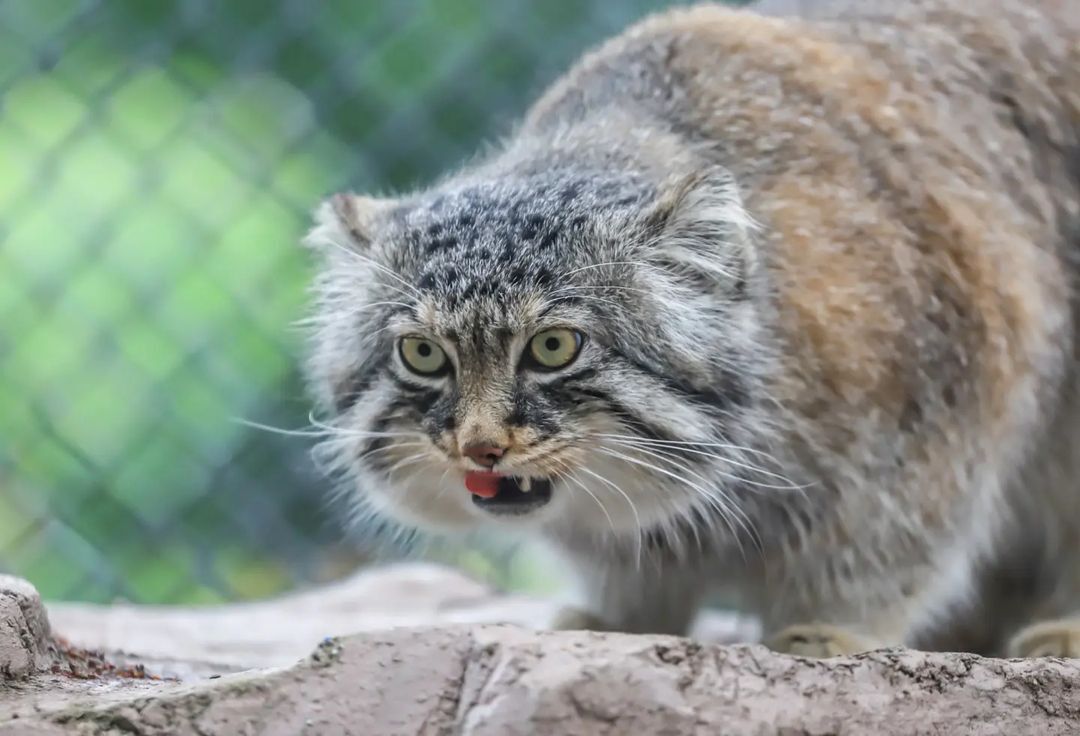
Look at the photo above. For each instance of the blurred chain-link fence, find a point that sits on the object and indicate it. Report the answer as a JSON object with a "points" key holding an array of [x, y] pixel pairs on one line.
{"points": [[158, 161]]}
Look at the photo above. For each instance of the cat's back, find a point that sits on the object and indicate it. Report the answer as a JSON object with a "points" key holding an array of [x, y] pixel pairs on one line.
{"points": [[990, 90]]}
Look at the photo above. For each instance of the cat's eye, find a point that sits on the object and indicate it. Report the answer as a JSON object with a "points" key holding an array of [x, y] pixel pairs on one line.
{"points": [[422, 356], [554, 349]]}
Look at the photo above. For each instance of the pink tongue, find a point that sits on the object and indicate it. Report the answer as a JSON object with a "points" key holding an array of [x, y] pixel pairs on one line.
{"points": [[484, 485]]}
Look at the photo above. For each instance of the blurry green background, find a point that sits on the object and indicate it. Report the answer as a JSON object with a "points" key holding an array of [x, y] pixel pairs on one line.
{"points": [[158, 161]]}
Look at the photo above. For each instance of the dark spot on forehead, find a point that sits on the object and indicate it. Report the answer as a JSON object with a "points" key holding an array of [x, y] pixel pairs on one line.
{"points": [[467, 293], [532, 226], [506, 254], [436, 244], [526, 274], [549, 239]]}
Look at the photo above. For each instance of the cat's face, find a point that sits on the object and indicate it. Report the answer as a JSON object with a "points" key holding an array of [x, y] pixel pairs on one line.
{"points": [[539, 352]]}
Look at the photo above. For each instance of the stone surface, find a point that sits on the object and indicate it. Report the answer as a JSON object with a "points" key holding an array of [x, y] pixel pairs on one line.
{"points": [[428, 664], [25, 643], [481, 680]]}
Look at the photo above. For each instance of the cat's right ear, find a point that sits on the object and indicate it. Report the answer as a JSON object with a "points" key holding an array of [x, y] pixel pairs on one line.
{"points": [[701, 231], [345, 221]]}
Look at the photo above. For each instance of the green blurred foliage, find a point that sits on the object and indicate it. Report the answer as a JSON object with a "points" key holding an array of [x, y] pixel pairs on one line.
{"points": [[159, 160]]}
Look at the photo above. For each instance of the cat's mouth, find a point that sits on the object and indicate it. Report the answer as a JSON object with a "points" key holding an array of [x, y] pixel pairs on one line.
{"points": [[507, 495]]}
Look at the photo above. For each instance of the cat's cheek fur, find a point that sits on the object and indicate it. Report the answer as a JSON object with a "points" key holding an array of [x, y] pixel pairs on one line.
{"points": [[626, 502], [429, 499]]}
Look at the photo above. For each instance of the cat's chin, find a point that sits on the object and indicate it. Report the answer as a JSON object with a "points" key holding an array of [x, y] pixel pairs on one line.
{"points": [[515, 497]]}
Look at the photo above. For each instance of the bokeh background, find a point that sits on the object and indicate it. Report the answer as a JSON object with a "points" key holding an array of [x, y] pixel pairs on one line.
{"points": [[158, 163]]}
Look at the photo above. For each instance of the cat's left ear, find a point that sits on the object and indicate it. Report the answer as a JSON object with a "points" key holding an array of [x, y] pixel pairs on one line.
{"points": [[345, 220], [700, 231]]}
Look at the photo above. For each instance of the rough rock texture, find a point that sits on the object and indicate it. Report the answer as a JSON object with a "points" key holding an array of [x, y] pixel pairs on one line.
{"points": [[25, 642], [506, 680], [474, 678]]}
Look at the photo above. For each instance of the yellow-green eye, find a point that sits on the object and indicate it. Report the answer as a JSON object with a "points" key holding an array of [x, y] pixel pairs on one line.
{"points": [[422, 356], [554, 348]]}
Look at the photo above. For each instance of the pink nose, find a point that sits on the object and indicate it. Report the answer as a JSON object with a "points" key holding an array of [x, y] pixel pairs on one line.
{"points": [[486, 455]]}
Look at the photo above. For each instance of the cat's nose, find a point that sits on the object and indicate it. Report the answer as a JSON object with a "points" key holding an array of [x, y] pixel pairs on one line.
{"points": [[484, 454]]}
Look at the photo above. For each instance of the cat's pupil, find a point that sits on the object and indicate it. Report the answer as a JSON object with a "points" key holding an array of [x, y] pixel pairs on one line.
{"points": [[424, 349], [552, 344]]}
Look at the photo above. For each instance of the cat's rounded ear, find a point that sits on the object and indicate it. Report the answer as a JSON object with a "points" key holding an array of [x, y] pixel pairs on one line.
{"points": [[700, 231], [345, 220]]}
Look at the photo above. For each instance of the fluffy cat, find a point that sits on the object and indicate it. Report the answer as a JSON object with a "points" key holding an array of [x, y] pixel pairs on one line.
{"points": [[783, 305]]}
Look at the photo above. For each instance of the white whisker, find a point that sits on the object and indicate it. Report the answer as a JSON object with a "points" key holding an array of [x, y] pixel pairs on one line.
{"points": [[442, 482], [321, 430], [603, 287], [336, 315], [570, 476], [406, 462], [586, 298], [379, 267], [726, 460], [389, 448], [690, 443], [714, 497], [640, 264], [728, 505], [281, 430], [341, 431], [629, 502]]}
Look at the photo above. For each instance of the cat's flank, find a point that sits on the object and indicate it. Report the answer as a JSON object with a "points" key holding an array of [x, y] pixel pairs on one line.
{"points": [[779, 305]]}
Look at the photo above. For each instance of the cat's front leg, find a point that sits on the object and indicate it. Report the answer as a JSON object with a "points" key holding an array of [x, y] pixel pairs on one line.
{"points": [[837, 625], [634, 600]]}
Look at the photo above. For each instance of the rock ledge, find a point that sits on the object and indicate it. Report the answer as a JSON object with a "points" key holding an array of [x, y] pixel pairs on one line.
{"points": [[481, 679]]}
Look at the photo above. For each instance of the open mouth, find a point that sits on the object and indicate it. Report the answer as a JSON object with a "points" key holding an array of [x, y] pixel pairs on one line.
{"points": [[507, 495]]}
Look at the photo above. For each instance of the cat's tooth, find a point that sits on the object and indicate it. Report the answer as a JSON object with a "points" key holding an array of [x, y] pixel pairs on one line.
{"points": [[525, 484]]}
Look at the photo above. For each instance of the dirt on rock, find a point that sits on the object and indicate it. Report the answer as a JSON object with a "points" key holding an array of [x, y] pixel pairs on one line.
{"points": [[80, 663]]}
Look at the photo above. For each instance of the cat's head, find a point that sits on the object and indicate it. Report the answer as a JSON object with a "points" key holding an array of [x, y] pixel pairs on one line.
{"points": [[549, 349]]}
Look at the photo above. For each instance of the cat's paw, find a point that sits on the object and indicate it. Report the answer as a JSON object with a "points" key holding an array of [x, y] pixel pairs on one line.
{"points": [[569, 618], [1057, 638], [817, 640]]}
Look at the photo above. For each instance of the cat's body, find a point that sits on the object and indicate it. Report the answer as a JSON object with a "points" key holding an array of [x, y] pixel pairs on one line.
{"points": [[821, 278]]}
